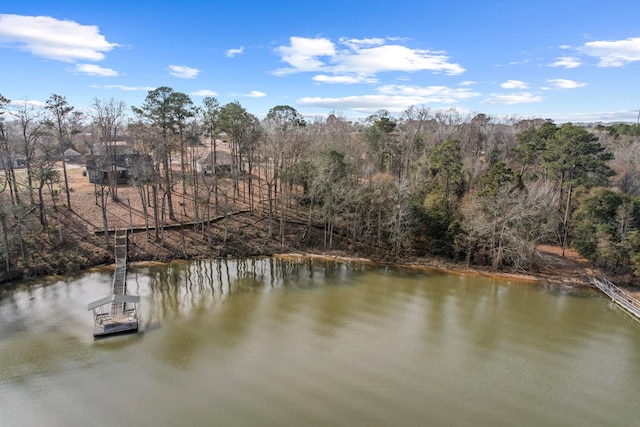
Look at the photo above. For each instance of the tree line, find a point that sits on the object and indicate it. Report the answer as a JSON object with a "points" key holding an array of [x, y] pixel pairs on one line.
{"points": [[469, 187]]}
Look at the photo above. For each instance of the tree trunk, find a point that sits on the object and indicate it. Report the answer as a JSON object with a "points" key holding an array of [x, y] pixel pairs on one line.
{"points": [[57, 211], [66, 183], [167, 183], [13, 184], [214, 171], [270, 201], [156, 219], [144, 192], [5, 236], [43, 218], [565, 222], [282, 213], [105, 225]]}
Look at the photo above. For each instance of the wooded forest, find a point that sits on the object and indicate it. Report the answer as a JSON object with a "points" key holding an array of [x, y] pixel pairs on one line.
{"points": [[471, 188]]}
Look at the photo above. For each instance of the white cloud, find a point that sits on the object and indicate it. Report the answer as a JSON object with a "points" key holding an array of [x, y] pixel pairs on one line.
{"points": [[344, 79], [468, 83], [610, 116], [614, 53], [356, 44], [96, 70], [51, 38], [430, 94], [183, 72], [25, 102], [255, 94], [566, 62], [302, 54], [512, 98], [514, 84], [523, 61], [565, 84], [362, 103], [395, 58], [233, 52], [393, 98], [360, 57], [204, 92], [125, 87]]}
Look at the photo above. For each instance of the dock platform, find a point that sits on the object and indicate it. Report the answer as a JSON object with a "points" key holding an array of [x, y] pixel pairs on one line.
{"points": [[118, 312]]}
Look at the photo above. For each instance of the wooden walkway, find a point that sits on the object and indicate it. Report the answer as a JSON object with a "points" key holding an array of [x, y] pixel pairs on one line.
{"points": [[122, 313], [628, 303], [167, 226]]}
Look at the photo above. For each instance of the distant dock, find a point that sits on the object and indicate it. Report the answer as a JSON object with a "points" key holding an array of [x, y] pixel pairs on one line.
{"points": [[118, 312], [625, 301]]}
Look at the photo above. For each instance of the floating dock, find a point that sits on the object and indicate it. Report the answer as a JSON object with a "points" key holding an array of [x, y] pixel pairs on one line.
{"points": [[118, 312]]}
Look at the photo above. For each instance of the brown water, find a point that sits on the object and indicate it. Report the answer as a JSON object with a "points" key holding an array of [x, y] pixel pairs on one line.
{"points": [[264, 342]]}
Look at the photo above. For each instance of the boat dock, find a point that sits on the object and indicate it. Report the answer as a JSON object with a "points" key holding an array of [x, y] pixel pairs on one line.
{"points": [[118, 312], [625, 301]]}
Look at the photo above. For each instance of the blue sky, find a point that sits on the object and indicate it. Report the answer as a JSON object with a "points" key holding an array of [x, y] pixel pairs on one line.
{"points": [[565, 60]]}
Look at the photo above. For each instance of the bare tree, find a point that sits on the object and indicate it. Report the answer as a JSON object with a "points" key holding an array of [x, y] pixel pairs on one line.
{"points": [[109, 116], [64, 122], [283, 145], [7, 154], [158, 111], [147, 172], [30, 119]]}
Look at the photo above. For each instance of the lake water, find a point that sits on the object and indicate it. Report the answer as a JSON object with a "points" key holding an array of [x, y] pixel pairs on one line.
{"points": [[286, 342]]}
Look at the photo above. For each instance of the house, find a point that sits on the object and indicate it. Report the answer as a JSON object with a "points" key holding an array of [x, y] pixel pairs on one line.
{"points": [[113, 147], [18, 161], [204, 164], [71, 156], [128, 167]]}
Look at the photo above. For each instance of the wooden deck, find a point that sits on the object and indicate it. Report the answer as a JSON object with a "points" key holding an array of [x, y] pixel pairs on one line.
{"points": [[117, 313], [625, 301]]}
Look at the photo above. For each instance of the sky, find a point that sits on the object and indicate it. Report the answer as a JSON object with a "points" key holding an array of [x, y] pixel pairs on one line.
{"points": [[569, 61]]}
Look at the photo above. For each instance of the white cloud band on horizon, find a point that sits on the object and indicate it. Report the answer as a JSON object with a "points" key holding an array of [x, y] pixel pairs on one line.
{"points": [[393, 98], [512, 98], [61, 40], [125, 87], [629, 116], [27, 102]]}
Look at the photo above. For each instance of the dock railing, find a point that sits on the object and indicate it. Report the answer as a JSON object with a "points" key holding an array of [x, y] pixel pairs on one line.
{"points": [[629, 303]]}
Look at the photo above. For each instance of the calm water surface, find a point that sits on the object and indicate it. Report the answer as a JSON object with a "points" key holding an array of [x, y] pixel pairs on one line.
{"points": [[272, 342]]}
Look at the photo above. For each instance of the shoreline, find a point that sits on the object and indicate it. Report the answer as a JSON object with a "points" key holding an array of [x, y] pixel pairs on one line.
{"points": [[554, 268], [448, 269]]}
